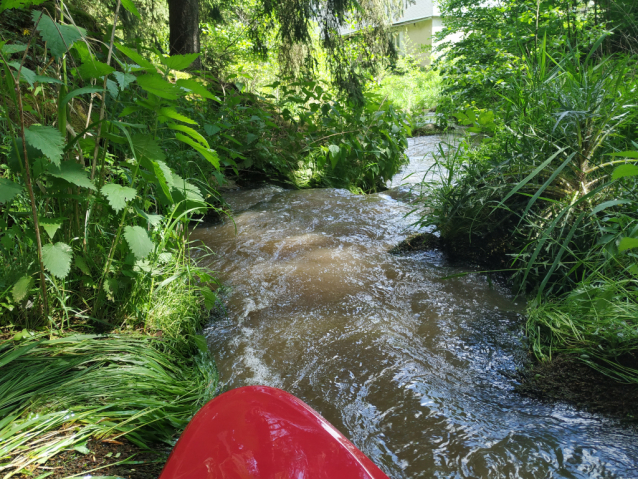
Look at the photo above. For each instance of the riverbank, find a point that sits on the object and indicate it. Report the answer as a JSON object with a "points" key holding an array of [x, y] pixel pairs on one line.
{"points": [[116, 459], [564, 378], [69, 398], [569, 380]]}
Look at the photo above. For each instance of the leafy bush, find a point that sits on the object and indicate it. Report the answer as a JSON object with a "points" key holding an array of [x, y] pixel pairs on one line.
{"points": [[410, 87], [96, 215], [305, 135], [550, 195]]}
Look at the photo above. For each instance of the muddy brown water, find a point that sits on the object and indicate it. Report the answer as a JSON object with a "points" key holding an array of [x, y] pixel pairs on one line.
{"points": [[418, 371]]}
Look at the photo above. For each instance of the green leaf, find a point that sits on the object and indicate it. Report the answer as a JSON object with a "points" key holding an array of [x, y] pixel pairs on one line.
{"points": [[94, 69], [200, 342], [188, 130], [82, 50], [74, 173], [163, 175], [334, 155], [110, 287], [81, 448], [80, 91], [210, 298], [209, 155], [25, 74], [124, 79], [128, 4], [187, 191], [608, 204], [21, 289], [146, 147], [80, 263], [138, 241], [51, 225], [155, 84], [137, 58], [153, 220], [12, 48], [7, 4], [172, 114], [8, 190], [111, 86], [195, 87], [45, 79], [59, 37], [129, 110], [57, 259], [46, 139], [179, 62], [627, 243], [624, 171], [118, 195], [625, 154]]}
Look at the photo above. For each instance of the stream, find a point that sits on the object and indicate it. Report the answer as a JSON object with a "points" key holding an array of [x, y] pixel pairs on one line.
{"points": [[416, 370]]}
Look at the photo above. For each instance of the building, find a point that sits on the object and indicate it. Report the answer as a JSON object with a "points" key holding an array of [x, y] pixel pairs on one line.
{"points": [[414, 30]]}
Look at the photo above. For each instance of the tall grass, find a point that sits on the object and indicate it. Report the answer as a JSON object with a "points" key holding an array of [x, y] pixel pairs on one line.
{"points": [[550, 194], [57, 393], [413, 89]]}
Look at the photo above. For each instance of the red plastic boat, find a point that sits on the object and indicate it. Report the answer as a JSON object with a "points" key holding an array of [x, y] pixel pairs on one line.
{"points": [[265, 433]]}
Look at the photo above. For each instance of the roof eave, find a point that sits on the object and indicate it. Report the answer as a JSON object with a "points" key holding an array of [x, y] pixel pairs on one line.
{"points": [[414, 20]]}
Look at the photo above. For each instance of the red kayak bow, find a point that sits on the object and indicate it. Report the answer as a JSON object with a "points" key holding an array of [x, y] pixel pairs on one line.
{"points": [[264, 433]]}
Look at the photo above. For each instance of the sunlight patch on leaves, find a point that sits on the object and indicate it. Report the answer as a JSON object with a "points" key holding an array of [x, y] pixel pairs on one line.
{"points": [[136, 57], [130, 6], [624, 171], [138, 241], [189, 131], [627, 243], [21, 289], [197, 88], [7, 4], [51, 225], [165, 113]]}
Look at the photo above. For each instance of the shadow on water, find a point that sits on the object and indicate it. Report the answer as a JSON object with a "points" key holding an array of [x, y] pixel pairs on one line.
{"points": [[417, 371]]}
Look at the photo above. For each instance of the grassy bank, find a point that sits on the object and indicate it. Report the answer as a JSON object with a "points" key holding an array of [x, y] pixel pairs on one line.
{"points": [[101, 302], [547, 190]]}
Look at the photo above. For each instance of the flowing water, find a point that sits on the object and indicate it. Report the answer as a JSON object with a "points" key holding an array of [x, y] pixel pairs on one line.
{"points": [[418, 371]]}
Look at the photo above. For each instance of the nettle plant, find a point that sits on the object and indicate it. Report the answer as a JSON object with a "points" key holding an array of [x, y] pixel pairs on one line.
{"points": [[99, 206]]}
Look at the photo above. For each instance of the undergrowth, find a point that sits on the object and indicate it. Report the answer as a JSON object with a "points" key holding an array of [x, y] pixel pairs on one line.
{"points": [[547, 192]]}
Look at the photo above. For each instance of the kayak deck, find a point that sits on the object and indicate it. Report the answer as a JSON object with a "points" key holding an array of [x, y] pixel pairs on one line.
{"points": [[263, 432]]}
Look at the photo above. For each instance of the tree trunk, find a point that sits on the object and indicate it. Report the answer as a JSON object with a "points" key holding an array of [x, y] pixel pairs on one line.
{"points": [[183, 20]]}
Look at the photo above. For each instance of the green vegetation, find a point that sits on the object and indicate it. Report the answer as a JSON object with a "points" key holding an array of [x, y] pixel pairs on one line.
{"points": [[547, 190], [58, 393], [409, 86], [110, 154]]}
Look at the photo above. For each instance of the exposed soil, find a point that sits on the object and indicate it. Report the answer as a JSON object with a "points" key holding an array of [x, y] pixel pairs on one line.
{"points": [[569, 380], [134, 462], [417, 242]]}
